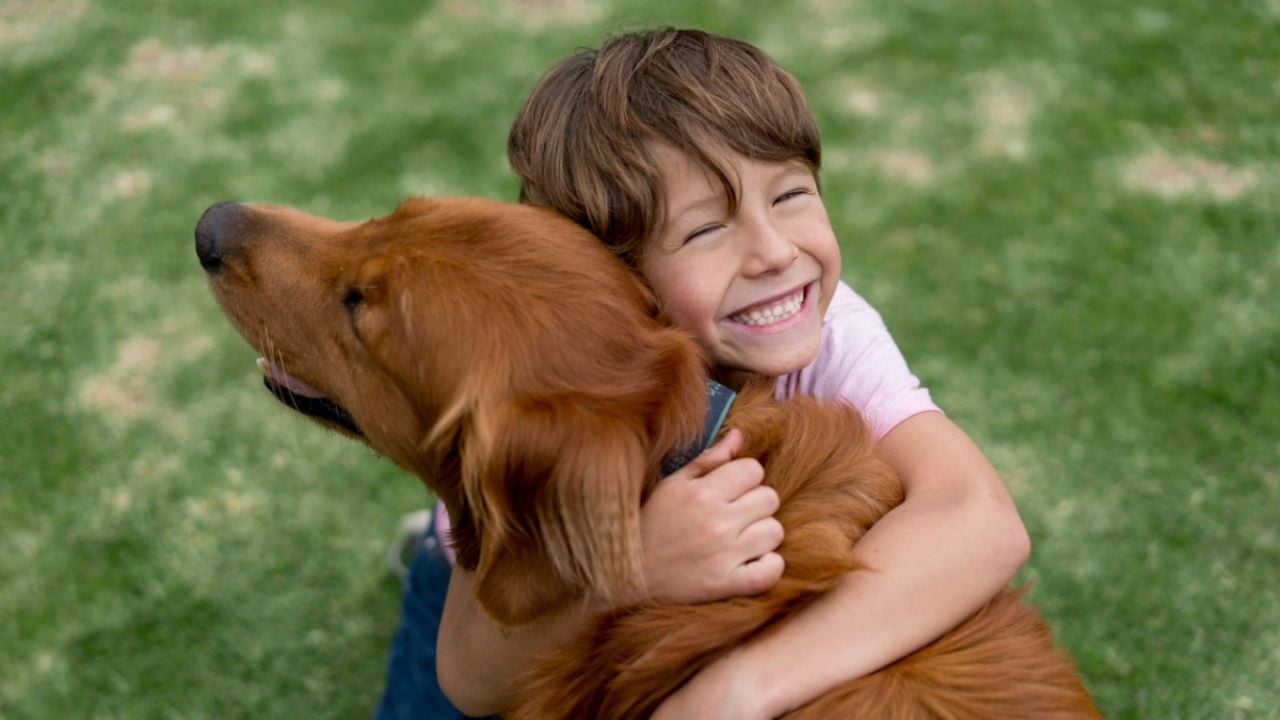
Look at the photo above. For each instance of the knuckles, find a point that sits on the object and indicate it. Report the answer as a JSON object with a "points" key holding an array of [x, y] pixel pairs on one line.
{"points": [[764, 574], [750, 468], [776, 532], [774, 502]]}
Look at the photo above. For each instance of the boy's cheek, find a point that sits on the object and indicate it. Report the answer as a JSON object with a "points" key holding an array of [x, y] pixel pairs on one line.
{"points": [[828, 294]]}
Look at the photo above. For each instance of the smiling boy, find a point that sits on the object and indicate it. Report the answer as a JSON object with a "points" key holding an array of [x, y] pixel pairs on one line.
{"points": [[695, 158]]}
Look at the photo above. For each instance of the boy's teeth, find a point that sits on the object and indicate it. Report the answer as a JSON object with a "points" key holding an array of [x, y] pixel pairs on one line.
{"points": [[772, 314]]}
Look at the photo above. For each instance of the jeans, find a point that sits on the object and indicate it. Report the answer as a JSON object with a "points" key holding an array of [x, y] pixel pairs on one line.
{"points": [[413, 691]]}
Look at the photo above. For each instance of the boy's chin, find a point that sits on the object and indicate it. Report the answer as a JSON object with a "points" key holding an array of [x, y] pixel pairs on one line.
{"points": [[769, 365]]}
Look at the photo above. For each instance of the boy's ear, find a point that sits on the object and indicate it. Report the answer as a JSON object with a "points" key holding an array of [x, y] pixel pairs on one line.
{"points": [[555, 486]]}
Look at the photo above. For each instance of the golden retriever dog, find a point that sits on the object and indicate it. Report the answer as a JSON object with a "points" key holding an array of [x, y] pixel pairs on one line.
{"points": [[502, 355]]}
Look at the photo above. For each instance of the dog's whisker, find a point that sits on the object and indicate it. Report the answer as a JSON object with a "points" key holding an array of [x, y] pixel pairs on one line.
{"points": [[276, 359]]}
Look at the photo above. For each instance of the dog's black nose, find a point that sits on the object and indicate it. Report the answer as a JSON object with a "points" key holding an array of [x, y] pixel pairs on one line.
{"points": [[215, 232]]}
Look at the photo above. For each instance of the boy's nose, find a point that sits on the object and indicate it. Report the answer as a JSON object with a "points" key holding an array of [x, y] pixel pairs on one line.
{"points": [[770, 251]]}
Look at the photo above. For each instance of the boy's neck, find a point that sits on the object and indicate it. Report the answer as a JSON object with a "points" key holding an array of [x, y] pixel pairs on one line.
{"points": [[735, 379]]}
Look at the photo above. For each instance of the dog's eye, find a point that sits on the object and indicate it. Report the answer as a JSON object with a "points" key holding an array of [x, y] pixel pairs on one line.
{"points": [[352, 298]]}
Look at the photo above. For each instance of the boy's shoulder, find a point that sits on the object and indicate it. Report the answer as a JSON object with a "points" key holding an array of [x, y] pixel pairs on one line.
{"points": [[859, 362], [848, 325]]}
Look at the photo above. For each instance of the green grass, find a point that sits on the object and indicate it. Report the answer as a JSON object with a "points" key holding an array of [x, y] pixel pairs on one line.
{"points": [[1068, 213]]}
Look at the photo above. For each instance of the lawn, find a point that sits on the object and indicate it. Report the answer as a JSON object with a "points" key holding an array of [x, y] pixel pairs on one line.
{"points": [[1068, 213]]}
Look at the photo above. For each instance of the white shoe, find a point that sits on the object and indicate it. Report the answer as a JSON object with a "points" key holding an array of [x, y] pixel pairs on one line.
{"points": [[415, 530]]}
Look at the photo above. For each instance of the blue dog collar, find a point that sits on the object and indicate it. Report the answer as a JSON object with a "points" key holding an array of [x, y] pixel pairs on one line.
{"points": [[719, 400]]}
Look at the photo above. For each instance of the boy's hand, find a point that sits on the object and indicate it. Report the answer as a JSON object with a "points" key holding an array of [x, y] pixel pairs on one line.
{"points": [[708, 529]]}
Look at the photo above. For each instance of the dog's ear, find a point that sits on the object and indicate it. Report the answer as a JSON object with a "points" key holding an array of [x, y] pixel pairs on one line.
{"points": [[555, 486]]}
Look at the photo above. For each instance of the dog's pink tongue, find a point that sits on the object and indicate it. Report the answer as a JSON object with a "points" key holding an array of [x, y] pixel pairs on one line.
{"points": [[287, 381]]}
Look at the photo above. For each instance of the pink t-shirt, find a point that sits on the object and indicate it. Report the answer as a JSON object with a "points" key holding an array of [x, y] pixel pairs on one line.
{"points": [[857, 362]]}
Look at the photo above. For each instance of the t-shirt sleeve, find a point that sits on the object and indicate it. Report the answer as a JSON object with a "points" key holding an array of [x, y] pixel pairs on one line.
{"points": [[859, 362], [443, 527]]}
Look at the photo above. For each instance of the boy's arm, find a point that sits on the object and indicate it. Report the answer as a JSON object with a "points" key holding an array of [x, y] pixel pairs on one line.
{"points": [[936, 559], [476, 658]]}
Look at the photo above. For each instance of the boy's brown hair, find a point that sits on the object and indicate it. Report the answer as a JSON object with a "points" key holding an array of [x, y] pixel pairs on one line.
{"points": [[582, 143]]}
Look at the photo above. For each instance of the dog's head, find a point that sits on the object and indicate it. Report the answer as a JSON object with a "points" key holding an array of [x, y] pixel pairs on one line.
{"points": [[497, 351]]}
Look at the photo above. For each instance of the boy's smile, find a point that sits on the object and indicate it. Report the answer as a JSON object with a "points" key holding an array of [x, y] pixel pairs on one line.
{"points": [[771, 312], [751, 285]]}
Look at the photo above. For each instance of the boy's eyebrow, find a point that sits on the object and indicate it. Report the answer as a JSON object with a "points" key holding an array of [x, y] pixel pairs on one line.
{"points": [[714, 200], [793, 168]]}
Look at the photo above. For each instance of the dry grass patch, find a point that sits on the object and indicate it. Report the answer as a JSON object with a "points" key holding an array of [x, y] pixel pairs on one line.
{"points": [[1004, 111], [1175, 176], [152, 59], [859, 98], [127, 391], [128, 184], [906, 167], [29, 22]]}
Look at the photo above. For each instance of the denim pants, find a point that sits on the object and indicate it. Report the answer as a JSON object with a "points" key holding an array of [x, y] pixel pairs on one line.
{"points": [[413, 692]]}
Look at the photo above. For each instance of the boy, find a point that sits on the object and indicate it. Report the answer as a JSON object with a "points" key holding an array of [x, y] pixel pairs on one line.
{"points": [[695, 158]]}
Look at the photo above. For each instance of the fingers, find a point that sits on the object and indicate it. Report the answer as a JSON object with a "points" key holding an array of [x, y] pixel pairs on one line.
{"points": [[757, 576], [722, 476], [757, 503], [708, 529], [760, 538], [724, 450], [763, 566]]}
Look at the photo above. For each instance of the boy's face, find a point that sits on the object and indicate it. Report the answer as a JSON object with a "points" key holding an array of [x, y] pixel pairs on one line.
{"points": [[751, 286]]}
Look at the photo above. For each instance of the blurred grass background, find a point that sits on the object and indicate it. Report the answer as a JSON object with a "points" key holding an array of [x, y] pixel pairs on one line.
{"points": [[1067, 212]]}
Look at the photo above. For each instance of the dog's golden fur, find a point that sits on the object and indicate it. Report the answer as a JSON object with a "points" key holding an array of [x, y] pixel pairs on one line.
{"points": [[501, 354]]}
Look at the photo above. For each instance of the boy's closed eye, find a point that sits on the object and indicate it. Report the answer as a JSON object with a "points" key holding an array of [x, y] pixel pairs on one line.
{"points": [[787, 196], [703, 231], [792, 194]]}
